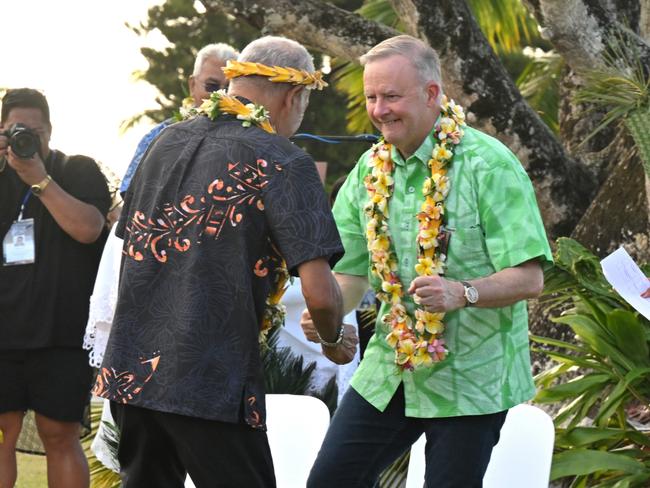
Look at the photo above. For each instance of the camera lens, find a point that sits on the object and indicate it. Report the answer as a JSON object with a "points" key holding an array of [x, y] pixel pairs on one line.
{"points": [[24, 143]]}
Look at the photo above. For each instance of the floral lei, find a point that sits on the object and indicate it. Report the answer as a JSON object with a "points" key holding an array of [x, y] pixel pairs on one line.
{"points": [[221, 102], [420, 344]]}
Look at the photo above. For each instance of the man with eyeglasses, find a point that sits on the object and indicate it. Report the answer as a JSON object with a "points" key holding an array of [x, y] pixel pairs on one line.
{"points": [[206, 78]]}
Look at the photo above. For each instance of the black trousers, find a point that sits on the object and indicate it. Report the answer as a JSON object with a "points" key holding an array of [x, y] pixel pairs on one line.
{"points": [[158, 449], [362, 441]]}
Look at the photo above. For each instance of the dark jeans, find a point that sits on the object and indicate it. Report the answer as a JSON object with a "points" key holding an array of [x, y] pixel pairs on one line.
{"points": [[157, 449], [362, 441]]}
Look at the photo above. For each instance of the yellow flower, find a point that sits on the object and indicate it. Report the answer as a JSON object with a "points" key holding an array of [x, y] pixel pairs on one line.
{"points": [[429, 321], [371, 229], [430, 208], [406, 346], [430, 230], [443, 184], [441, 153], [422, 356], [380, 244], [458, 112], [393, 337], [381, 202], [383, 184], [436, 165], [427, 186], [447, 125], [424, 267], [393, 289]]}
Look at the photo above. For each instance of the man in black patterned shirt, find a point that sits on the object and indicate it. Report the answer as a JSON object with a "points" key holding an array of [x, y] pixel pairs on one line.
{"points": [[217, 206]]}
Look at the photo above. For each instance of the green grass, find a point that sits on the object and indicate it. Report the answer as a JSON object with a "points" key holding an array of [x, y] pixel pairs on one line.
{"points": [[32, 471]]}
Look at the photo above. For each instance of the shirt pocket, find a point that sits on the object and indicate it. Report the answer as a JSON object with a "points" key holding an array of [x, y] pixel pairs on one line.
{"points": [[467, 255]]}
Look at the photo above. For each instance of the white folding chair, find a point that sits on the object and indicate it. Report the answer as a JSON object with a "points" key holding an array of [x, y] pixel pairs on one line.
{"points": [[296, 426], [522, 457]]}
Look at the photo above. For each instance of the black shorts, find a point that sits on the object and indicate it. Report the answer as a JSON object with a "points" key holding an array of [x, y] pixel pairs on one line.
{"points": [[54, 382]]}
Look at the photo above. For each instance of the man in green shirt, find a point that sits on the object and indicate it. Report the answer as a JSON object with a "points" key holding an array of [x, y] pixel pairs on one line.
{"points": [[442, 219]]}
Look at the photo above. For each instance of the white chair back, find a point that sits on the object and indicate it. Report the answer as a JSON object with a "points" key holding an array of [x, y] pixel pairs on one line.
{"points": [[521, 458], [296, 427]]}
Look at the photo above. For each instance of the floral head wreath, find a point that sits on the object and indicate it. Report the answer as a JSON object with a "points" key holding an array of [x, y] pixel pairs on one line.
{"points": [[277, 74]]}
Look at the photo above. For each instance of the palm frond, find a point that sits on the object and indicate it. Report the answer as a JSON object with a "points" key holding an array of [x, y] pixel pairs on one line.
{"points": [[505, 23], [285, 372], [620, 85], [539, 84], [100, 475], [380, 11], [348, 78]]}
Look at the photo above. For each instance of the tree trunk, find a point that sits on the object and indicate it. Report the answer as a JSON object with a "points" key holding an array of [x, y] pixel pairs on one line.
{"points": [[581, 29], [473, 76], [315, 24]]}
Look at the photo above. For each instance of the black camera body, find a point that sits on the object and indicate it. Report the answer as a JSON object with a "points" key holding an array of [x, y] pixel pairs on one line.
{"points": [[24, 142]]}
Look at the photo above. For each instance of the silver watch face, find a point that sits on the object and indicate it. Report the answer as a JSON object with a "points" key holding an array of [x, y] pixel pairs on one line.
{"points": [[471, 294]]}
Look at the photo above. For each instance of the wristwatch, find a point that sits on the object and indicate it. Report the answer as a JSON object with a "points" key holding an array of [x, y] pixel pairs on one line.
{"points": [[38, 188], [339, 338], [471, 294]]}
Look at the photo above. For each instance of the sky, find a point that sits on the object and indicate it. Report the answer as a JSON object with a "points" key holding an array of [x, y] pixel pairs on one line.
{"points": [[81, 56]]}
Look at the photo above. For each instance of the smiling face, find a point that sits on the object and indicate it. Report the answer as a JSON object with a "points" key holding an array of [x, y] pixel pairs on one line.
{"points": [[401, 105]]}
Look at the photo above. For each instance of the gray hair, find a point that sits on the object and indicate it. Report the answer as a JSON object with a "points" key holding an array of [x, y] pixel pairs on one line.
{"points": [[221, 51], [275, 51], [423, 57]]}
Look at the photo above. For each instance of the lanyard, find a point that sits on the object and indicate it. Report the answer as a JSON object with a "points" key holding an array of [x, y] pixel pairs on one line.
{"points": [[22, 205]]}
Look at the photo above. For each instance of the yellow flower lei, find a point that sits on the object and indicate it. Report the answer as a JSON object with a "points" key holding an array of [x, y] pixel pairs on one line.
{"points": [[221, 102], [277, 74], [421, 344]]}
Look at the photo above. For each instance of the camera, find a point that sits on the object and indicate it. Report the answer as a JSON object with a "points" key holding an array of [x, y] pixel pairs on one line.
{"points": [[23, 141]]}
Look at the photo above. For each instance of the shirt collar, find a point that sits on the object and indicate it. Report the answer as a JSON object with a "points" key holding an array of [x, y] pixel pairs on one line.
{"points": [[421, 154]]}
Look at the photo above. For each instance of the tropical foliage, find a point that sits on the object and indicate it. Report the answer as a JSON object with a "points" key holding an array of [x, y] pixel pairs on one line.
{"points": [[596, 377], [621, 86]]}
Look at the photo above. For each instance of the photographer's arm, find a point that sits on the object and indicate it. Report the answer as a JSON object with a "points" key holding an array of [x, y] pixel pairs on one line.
{"points": [[81, 221]]}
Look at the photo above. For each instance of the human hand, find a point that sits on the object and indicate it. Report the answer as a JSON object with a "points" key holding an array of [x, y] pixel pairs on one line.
{"points": [[344, 352], [308, 327], [646, 294], [437, 294], [31, 171]]}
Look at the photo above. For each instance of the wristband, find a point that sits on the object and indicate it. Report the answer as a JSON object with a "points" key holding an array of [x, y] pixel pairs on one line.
{"points": [[339, 338]]}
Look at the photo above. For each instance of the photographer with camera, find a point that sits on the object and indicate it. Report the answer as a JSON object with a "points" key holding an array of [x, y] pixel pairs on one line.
{"points": [[54, 206]]}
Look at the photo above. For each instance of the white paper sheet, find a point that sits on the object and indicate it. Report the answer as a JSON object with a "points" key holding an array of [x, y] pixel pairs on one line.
{"points": [[627, 279]]}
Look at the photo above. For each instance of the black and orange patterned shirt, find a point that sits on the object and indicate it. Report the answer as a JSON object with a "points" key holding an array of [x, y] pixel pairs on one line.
{"points": [[209, 210]]}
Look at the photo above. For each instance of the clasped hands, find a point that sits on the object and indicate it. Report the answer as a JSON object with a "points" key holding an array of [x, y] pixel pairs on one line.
{"points": [[342, 353], [432, 293]]}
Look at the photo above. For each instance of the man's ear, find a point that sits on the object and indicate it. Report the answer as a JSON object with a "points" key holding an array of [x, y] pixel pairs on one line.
{"points": [[293, 96], [191, 83], [433, 94]]}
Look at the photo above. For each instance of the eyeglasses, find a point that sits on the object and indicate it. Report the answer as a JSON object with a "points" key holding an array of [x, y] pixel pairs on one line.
{"points": [[212, 86]]}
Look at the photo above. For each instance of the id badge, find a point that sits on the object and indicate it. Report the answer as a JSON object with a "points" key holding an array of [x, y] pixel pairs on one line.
{"points": [[18, 245]]}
